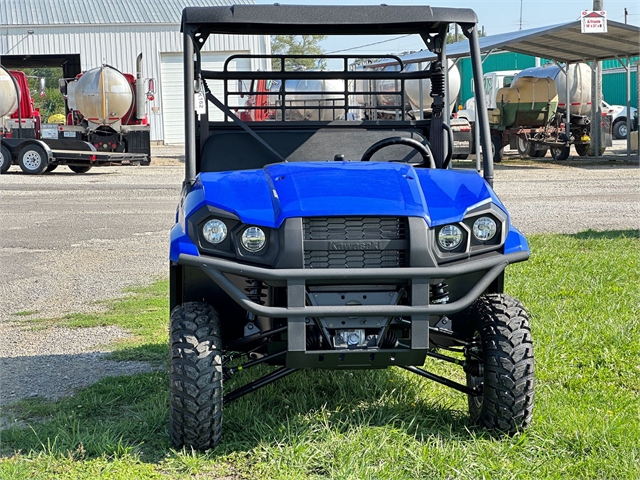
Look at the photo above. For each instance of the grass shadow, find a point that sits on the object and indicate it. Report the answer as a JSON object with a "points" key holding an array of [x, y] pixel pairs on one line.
{"points": [[129, 414], [605, 235]]}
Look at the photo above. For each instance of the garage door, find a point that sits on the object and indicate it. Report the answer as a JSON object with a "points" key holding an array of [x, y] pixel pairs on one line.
{"points": [[172, 90]]}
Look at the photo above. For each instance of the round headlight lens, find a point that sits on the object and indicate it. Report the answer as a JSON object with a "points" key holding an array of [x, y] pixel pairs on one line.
{"points": [[484, 228], [450, 237], [254, 239], [214, 231]]}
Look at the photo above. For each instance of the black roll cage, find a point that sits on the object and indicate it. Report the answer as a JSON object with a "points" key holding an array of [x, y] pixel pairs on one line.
{"points": [[432, 24]]}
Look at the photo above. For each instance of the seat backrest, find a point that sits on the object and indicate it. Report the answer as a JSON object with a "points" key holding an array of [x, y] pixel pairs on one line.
{"points": [[234, 149]]}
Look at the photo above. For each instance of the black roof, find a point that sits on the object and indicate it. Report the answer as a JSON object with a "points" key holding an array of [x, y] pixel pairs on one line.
{"points": [[322, 20]]}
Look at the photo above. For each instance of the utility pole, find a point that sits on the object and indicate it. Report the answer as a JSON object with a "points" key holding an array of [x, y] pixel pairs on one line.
{"points": [[626, 13], [521, 15], [596, 98]]}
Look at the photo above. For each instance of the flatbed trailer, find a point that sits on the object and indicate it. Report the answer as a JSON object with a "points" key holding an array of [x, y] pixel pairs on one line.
{"points": [[37, 156]]}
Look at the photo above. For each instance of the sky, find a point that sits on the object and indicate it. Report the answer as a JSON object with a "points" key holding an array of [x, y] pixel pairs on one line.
{"points": [[496, 16]]}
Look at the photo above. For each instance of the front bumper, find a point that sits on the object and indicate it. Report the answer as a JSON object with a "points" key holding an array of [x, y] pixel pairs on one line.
{"points": [[296, 312]]}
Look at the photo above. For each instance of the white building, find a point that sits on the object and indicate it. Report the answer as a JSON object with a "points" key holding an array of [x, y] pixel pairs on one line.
{"points": [[79, 35]]}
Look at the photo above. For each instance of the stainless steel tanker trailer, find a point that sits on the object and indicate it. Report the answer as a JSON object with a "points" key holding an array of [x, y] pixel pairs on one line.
{"points": [[36, 155]]}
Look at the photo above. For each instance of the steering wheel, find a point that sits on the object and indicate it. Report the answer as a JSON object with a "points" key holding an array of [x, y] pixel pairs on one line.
{"points": [[422, 149]]}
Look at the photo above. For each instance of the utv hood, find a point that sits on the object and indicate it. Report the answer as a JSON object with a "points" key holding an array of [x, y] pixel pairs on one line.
{"points": [[320, 189]]}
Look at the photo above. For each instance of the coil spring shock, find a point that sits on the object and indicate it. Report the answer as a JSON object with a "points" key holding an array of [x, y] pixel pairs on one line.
{"points": [[255, 293], [472, 367], [437, 79], [439, 293], [437, 86], [390, 340], [314, 338]]}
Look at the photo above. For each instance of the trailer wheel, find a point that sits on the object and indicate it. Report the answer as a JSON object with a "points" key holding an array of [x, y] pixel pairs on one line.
{"points": [[540, 153], [524, 148], [497, 148], [5, 159], [561, 153], [33, 159], [504, 349], [78, 169], [582, 149], [195, 410]]}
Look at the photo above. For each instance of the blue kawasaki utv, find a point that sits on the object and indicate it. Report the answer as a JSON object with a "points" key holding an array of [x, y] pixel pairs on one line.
{"points": [[314, 232]]}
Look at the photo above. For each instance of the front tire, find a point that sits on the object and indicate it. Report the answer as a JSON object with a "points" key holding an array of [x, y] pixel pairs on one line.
{"points": [[195, 399], [620, 129], [505, 351], [33, 159]]}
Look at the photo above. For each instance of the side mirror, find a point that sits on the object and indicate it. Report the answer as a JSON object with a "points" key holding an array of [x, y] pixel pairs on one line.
{"points": [[152, 90]]}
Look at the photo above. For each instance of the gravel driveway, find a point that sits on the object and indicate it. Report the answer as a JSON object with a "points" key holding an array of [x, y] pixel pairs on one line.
{"points": [[67, 240]]}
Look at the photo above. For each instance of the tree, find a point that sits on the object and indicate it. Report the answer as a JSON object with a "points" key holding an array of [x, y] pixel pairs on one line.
{"points": [[297, 45], [453, 38], [52, 102]]}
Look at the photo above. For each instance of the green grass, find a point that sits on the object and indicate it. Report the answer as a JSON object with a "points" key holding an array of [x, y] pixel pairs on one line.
{"points": [[583, 295], [25, 313], [143, 313]]}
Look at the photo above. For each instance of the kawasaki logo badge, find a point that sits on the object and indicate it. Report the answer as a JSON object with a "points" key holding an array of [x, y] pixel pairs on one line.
{"points": [[371, 245]]}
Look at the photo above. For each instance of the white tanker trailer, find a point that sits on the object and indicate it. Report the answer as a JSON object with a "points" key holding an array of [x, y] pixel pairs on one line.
{"points": [[107, 108], [579, 84], [324, 99], [36, 155], [8, 94], [415, 95]]}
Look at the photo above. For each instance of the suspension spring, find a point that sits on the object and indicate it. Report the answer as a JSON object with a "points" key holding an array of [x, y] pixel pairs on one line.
{"points": [[437, 79], [439, 293], [390, 340], [255, 292], [314, 338], [472, 367]]}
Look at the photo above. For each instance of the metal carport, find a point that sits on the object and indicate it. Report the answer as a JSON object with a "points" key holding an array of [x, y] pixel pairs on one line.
{"points": [[562, 43]]}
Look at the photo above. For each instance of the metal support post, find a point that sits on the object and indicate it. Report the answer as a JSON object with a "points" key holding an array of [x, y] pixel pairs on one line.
{"points": [[189, 111], [567, 122]]}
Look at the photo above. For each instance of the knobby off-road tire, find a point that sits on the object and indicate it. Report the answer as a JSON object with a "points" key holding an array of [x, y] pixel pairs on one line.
{"points": [[506, 349], [195, 403]]}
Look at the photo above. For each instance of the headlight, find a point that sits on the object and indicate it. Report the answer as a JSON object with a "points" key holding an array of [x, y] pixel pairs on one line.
{"points": [[450, 237], [484, 228], [214, 231], [254, 239]]}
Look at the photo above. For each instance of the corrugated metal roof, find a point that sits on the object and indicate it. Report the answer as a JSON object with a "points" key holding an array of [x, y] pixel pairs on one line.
{"points": [[99, 12], [563, 42]]}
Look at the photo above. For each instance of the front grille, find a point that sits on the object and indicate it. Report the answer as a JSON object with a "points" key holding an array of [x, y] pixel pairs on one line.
{"points": [[354, 259], [354, 228], [363, 240]]}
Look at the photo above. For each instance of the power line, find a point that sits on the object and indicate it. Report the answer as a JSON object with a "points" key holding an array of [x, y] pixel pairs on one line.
{"points": [[370, 44]]}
